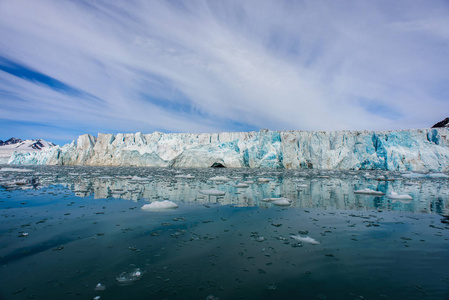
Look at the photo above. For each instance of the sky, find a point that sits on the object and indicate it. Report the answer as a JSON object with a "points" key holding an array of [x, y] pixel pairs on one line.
{"points": [[73, 67]]}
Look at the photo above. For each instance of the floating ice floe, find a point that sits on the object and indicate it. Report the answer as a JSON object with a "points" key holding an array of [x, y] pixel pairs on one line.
{"points": [[438, 175], [278, 201], [129, 277], [15, 170], [212, 192], [189, 176], [100, 287], [430, 175], [160, 205], [219, 178], [241, 185], [263, 179], [19, 182], [305, 239], [282, 202], [369, 192], [396, 196], [137, 178]]}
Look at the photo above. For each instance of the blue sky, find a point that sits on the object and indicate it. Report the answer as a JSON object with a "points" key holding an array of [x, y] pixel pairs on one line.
{"points": [[74, 67]]}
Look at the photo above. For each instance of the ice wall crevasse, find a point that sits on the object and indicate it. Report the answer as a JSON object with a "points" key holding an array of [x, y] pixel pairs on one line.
{"points": [[413, 150]]}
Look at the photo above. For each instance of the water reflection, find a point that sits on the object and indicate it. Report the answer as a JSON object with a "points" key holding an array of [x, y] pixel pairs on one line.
{"points": [[243, 187]]}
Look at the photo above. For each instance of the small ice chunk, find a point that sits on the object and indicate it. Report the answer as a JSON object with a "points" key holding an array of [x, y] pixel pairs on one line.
{"points": [[212, 192], [305, 239], [160, 205], [15, 170], [96, 298], [219, 178], [282, 202], [23, 234], [369, 192], [274, 199], [241, 185], [128, 277], [137, 178], [100, 287], [188, 176], [396, 196], [263, 179]]}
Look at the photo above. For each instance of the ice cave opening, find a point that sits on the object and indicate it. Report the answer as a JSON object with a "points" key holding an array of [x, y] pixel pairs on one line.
{"points": [[217, 165]]}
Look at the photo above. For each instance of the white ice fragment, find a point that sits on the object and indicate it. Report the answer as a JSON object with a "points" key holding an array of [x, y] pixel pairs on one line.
{"points": [[160, 205], [219, 178], [212, 192], [369, 192], [96, 298], [129, 277], [15, 170], [20, 182], [100, 287], [305, 239], [396, 196], [137, 178], [263, 179], [282, 202], [189, 176], [274, 199]]}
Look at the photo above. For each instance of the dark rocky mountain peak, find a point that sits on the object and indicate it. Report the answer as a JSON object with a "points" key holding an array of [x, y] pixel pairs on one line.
{"points": [[444, 123], [11, 141]]}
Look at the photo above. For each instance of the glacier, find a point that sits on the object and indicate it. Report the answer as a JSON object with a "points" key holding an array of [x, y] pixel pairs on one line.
{"points": [[421, 150]]}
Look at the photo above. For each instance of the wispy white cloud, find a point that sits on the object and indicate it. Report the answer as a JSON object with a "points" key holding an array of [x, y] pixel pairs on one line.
{"points": [[203, 66]]}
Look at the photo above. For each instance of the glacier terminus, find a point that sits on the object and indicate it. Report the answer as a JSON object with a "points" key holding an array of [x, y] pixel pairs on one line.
{"points": [[421, 150]]}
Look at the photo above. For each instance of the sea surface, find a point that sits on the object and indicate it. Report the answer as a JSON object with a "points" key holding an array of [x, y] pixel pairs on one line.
{"points": [[75, 232]]}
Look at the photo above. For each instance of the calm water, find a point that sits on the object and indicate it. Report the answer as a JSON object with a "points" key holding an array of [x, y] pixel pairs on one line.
{"points": [[64, 230]]}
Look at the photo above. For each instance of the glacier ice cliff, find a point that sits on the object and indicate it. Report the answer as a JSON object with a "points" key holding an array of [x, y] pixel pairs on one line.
{"points": [[404, 150]]}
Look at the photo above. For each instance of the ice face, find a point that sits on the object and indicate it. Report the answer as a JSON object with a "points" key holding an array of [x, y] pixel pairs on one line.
{"points": [[419, 150]]}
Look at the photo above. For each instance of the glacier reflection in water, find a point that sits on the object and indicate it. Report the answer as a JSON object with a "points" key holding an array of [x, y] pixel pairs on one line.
{"points": [[80, 233], [243, 187]]}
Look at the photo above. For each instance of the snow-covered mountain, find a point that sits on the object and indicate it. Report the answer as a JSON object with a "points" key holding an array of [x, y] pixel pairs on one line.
{"points": [[413, 150], [15, 144]]}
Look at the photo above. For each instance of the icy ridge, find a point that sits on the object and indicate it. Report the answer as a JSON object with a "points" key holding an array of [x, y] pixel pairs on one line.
{"points": [[404, 150]]}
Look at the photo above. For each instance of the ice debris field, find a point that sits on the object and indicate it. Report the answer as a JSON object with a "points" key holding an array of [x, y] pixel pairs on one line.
{"points": [[165, 233]]}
